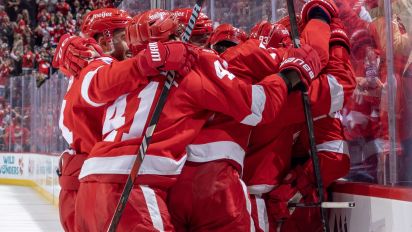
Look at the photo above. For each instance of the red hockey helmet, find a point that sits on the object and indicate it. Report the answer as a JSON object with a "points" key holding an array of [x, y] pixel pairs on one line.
{"points": [[261, 31], [203, 24], [203, 27], [149, 26], [279, 37], [227, 32], [104, 21]]}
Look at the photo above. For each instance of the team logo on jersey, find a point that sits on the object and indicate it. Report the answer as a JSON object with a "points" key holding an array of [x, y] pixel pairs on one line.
{"points": [[154, 51], [301, 63]]}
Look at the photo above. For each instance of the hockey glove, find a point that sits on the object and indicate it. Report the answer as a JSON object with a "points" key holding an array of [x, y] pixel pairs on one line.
{"points": [[295, 188], [74, 53], [279, 37], [321, 9], [172, 56], [304, 61]]}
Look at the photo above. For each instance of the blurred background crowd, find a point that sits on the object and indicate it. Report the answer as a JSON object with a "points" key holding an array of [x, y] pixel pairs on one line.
{"points": [[30, 30]]}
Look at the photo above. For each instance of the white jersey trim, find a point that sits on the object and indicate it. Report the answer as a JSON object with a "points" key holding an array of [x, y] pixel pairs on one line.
{"points": [[248, 205], [336, 93], [258, 105], [260, 188], [85, 87], [67, 134], [263, 219], [337, 146], [155, 165], [153, 208], [215, 151]]}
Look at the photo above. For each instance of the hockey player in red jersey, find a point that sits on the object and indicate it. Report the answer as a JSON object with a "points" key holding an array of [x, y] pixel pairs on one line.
{"points": [[208, 88], [299, 185], [80, 128], [269, 159], [81, 124], [218, 199]]}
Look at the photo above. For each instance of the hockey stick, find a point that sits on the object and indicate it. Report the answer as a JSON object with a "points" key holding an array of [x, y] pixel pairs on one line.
{"points": [[152, 125], [327, 205], [309, 120]]}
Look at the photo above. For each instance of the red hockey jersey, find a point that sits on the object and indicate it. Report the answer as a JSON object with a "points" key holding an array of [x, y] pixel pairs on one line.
{"points": [[267, 160], [80, 119], [207, 89]]}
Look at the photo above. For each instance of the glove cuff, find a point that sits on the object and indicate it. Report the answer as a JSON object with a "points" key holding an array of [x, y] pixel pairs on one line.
{"points": [[143, 65]]}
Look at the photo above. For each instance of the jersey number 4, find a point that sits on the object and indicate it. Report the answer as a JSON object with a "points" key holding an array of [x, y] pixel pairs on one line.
{"points": [[115, 115]]}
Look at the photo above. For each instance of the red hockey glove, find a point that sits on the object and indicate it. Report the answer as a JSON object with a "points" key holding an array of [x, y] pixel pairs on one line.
{"points": [[176, 56], [73, 53], [296, 187], [338, 34], [279, 37], [324, 8], [305, 61], [278, 199]]}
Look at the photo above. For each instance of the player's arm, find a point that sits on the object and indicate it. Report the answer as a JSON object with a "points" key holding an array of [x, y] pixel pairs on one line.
{"points": [[107, 82], [333, 88], [300, 183], [250, 104]]}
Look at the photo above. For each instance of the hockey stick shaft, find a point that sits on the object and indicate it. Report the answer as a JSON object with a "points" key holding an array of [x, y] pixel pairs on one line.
{"points": [[327, 205], [309, 120], [170, 76]]}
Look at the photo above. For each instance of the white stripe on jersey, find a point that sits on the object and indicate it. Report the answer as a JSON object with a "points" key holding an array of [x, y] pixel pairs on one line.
{"points": [[216, 151], [85, 87], [155, 165], [258, 105]]}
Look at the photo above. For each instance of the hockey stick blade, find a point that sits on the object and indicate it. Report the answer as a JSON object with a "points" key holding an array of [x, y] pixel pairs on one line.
{"points": [[170, 76], [325, 204]]}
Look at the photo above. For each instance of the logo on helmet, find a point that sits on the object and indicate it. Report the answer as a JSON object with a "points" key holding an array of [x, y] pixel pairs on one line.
{"points": [[154, 51], [102, 15], [158, 15], [178, 13]]}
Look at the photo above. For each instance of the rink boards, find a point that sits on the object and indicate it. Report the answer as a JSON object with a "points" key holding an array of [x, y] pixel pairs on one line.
{"points": [[378, 208], [36, 170]]}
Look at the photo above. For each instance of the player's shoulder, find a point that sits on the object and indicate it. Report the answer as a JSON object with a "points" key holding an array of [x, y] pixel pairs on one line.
{"points": [[207, 54], [95, 64]]}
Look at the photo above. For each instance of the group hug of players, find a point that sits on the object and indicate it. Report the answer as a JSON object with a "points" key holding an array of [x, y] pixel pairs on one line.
{"points": [[230, 150]]}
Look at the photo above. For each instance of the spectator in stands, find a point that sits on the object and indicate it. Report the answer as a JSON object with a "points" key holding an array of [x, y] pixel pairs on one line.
{"points": [[28, 60], [17, 53], [7, 30]]}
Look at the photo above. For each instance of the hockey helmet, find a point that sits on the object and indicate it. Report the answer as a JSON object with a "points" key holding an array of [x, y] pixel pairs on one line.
{"points": [[150, 26]]}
